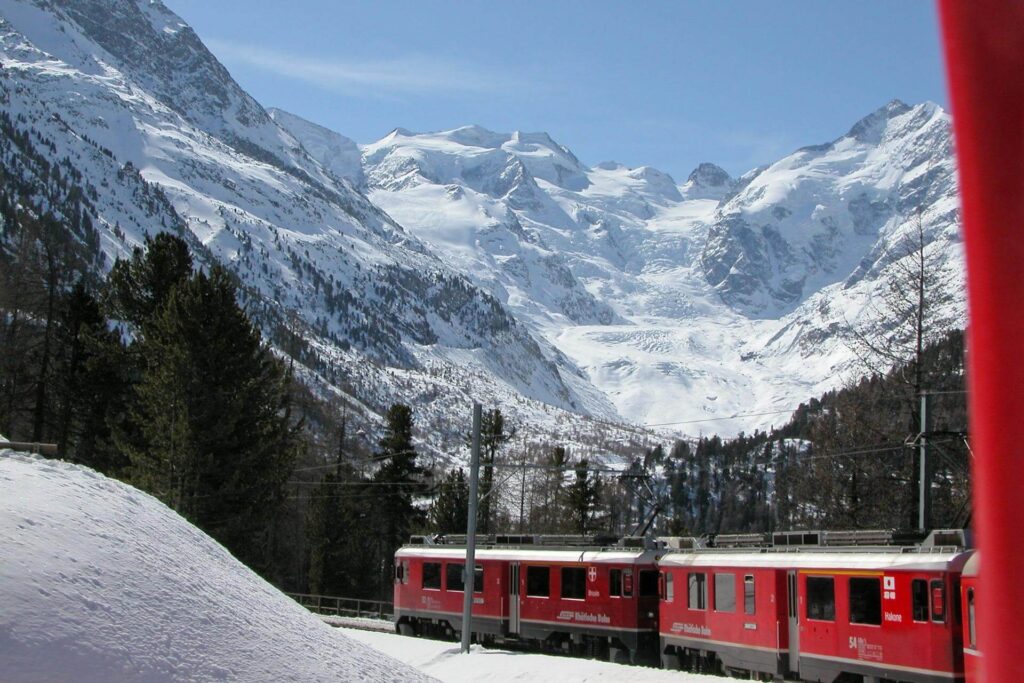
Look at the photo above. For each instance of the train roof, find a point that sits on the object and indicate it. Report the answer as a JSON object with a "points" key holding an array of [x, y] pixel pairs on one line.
{"points": [[860, 558], [528, 554], [973, 566]]}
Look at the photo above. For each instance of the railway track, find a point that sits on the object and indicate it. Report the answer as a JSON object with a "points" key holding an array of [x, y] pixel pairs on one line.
{"points": [[359, 623]]}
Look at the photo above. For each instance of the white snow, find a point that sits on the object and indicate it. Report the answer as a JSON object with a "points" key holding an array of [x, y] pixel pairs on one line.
{"points": [[606, 270], [101, 582], [444, 661], [284, 236], [822, 226]]}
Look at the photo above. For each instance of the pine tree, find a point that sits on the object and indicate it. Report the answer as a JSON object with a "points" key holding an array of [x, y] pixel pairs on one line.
{"points": [[492, 437], [548, 515], [337, 529], [139, 287], [582, 498], [397, 481], [210, 430], [90, 385], [450, 510]]}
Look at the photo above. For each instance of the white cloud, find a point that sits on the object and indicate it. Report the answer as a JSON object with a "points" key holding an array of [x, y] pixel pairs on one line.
{"points": [[401, 75]]}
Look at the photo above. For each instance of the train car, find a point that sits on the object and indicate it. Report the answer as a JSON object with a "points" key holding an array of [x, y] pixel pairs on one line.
{"points": [[820, 614], [597, 601], [723, 613], [968, 601]]}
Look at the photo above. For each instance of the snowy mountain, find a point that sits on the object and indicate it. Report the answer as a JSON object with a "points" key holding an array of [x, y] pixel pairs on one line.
{"points": [[124, 97], [102, 582], [441, 268], [696, 300], [817, 216]]}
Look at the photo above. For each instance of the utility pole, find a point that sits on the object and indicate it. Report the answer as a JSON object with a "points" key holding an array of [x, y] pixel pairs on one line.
{"points": [[924, 480], [469, 569], [522, 492]]}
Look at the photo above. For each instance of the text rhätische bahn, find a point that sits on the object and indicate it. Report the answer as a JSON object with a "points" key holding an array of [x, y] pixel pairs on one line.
{"points": [[815, 606]]}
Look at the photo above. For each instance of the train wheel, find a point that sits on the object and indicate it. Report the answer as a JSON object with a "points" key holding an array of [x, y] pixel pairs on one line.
{"points": [[619, 655], [406, 629], [670, 662]]}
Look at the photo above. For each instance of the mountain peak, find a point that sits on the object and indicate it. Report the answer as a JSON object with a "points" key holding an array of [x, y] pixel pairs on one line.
{"points": [[547, 159], [542, 139], [476, 136], [337, 153], [709, 175], [869, 128]]}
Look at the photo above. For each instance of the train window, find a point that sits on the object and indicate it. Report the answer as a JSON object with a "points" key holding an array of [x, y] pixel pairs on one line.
{"points": [[697, 591], [972, 636], [453, 577], [938, 600], [865, 601], [574, 583], [919, 599], [538, 582], [399, 573], [670, 590], [749, 604], [725, 592], [648, 583], [615, 583], [432, 575], [821, 598]]}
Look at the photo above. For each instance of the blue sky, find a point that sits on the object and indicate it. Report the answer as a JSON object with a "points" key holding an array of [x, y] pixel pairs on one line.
{"points": [[665, 84]]}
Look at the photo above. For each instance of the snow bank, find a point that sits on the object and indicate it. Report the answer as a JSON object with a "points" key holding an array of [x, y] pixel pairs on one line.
{"points": [[101, 582], [444, 661]]}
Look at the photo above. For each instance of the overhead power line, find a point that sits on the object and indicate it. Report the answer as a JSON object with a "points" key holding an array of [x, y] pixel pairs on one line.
{"points": [[719, 419], [770, 412]]}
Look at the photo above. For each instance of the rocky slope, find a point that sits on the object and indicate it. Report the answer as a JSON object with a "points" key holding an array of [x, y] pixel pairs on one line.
{"points": [[124, 96], [441, 268], [696, 300]]}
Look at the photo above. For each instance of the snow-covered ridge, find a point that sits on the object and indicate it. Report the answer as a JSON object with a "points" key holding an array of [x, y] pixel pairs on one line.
{"points": [[728, 295], [101, 582], [126, 90], [441, 268], [825, 212]]}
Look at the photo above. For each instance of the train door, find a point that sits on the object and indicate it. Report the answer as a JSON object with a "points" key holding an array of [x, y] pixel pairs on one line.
{"points": [[513, 598], [794, 622]]}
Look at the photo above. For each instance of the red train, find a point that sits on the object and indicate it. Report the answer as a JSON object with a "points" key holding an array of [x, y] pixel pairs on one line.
{"points": [[594, 601], [968, 596], [823, 606]]}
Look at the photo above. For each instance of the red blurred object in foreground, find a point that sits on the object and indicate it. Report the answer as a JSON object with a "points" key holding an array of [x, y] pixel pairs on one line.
{"points": [[984, 47]]}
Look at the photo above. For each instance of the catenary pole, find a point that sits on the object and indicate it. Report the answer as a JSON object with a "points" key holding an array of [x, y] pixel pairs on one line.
{"points": [[924, 479], [469, 569]]}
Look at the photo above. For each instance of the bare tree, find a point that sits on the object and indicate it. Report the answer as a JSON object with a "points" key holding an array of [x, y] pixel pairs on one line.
{"points": [[893, 349], [905, 309]]}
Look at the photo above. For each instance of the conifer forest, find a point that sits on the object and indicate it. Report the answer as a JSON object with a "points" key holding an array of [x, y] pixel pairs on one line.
{"points": [[155, 374]]}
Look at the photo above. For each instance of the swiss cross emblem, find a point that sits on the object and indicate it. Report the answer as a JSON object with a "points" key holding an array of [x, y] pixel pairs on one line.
{"points": [[592, 573]]}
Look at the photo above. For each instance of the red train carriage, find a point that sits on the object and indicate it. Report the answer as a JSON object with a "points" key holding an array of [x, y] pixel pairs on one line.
{"points": [[723, 612], [887, 613], [587, 600], [968, 605]]}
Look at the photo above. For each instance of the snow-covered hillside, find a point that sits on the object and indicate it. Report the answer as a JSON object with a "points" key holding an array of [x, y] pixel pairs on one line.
{"points": [[124, 96], [685, 301], [101, 582], [445, 662], [441, 268]]}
